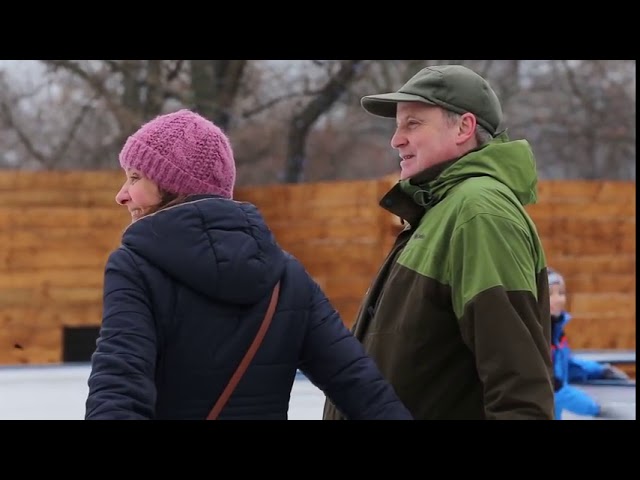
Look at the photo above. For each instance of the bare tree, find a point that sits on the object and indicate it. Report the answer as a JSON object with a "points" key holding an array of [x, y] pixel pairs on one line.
{"points": [[302, 121], [48, 143], [579, 117], [215, 85]]}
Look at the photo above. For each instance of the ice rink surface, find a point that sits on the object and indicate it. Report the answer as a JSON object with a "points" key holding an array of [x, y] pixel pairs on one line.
{"points": [[59, 392], [621, 398]]}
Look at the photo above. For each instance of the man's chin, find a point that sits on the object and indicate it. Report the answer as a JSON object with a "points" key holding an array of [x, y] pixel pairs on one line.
{"points": [[407, 174]]}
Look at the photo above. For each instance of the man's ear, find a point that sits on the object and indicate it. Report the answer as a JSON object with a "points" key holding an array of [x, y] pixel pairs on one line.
{"points": [[466, 127]]}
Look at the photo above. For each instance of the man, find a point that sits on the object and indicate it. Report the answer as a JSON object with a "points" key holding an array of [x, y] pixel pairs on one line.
{"points": [[458, 317]]}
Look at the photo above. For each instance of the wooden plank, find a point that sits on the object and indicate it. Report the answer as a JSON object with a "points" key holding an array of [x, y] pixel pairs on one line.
{"points": [[596, 332], [16, 259], [611, 304], [582, 191], [348, 310], [73, 295], [564, 244], [311, 195], [601, 283], [15, 296], [549, 227], [582, 210], [556, 190], [574, 264], [14, 180], [348, 286], [58, 237], [109, 218], [35, 354], [291, 213], [334, 229], [52, 315], [30, 344], [59, 198], [344, 286], [340, 248], [55, 277], [46, 296], [346, 252], [320, 266]]}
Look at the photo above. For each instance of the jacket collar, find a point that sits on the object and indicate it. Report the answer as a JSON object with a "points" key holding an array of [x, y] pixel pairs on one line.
{"points": [[409, 199]]}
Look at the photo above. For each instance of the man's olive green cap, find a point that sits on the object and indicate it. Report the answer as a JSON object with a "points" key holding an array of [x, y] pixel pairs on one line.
{"points": [[452, 87]]}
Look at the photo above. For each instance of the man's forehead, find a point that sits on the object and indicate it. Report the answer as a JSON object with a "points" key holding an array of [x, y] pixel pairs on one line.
{"points": [[406, 109]]}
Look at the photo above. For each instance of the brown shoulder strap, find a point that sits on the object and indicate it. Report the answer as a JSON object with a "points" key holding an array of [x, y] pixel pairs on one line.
{"points": [[217, 408]]}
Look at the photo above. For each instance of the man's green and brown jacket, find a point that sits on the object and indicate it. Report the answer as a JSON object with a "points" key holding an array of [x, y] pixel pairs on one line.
{"points": [[458, 316]]}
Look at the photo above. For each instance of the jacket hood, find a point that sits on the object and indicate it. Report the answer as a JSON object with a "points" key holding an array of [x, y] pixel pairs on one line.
{"points": [[220, 248], [510, 162]]}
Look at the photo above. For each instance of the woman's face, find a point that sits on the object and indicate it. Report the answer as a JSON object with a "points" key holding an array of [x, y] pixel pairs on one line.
{"points": [[139, 194], [557, 298]]}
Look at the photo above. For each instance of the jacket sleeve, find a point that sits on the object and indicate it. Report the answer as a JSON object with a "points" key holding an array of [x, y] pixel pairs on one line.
{"points": [[336, 362], [121, 382], [581, 369], [577, 401], [494, 275]]}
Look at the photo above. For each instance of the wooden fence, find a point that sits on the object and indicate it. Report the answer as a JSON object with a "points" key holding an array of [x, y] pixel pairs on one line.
{"points": [[57, 229]]}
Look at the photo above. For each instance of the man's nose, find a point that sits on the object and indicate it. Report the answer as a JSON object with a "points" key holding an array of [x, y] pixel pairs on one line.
{"points": [[398, 140]]}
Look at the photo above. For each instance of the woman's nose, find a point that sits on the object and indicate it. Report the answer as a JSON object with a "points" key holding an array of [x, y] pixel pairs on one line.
{"points": [[122, 197]]}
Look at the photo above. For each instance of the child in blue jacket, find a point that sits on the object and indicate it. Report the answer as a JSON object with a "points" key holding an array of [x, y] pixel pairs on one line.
{"points": [[570, 368]]}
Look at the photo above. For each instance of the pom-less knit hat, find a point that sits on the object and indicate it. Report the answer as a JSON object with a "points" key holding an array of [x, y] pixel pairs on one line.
{"points": [[183, 153]]}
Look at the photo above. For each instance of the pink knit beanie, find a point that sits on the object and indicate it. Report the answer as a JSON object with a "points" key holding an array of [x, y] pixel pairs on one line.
{"points": [[183, 153]]}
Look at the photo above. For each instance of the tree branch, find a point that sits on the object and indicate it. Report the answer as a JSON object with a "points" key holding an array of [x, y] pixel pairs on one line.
{"points": [[73, 129], [22, 136], [125, 118]]}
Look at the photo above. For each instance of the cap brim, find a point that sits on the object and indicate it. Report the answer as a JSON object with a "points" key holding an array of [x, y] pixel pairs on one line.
{"points": [[384, 105]]}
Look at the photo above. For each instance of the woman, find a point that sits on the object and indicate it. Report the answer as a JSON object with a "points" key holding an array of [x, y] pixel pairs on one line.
{"points": [[187, 289]]}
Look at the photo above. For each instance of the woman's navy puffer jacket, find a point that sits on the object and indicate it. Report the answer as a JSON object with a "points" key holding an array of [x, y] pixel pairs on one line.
{"points": [[183, 298]]}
